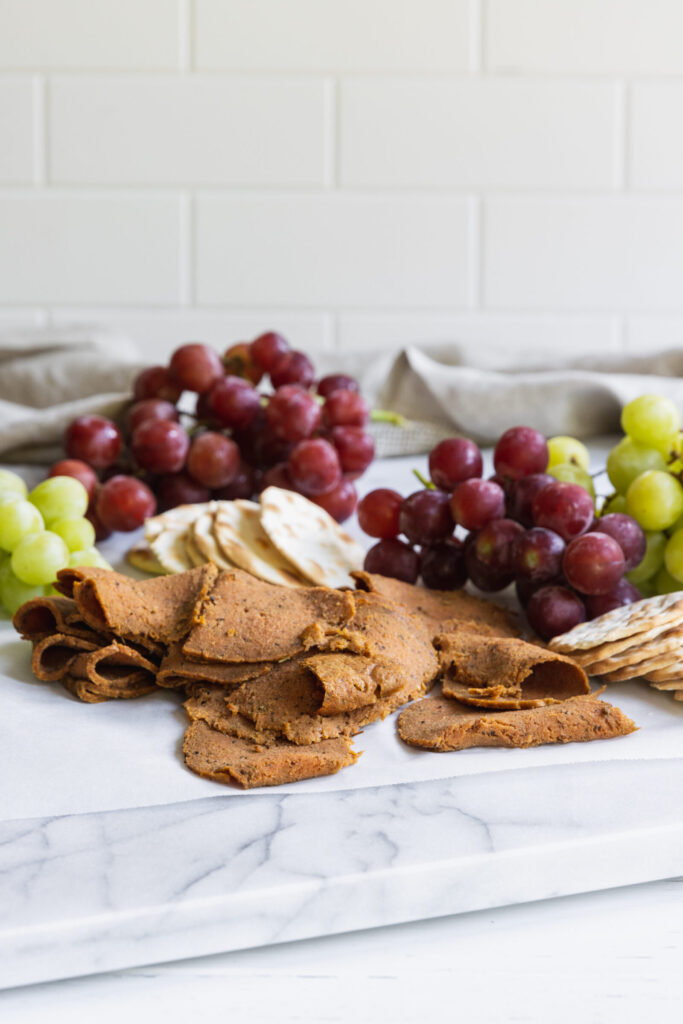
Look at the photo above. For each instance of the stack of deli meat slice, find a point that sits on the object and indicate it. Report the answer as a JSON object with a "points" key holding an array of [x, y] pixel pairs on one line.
{"points": [[277, 681]]}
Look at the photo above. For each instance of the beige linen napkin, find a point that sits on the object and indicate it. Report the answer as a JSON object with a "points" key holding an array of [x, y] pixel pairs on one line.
{"points": [[47, 377]]}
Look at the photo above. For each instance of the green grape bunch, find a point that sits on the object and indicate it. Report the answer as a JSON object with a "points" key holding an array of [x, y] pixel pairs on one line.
{"points": [[646, 470]]}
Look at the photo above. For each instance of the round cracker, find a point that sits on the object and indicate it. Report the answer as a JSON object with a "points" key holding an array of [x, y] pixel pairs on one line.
{"points": [[239, 533], [310, 538], [171, 550], [202, 531], [628, 620]]}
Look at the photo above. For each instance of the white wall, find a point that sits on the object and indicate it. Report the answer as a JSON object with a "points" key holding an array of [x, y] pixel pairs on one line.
{"points": [[354, 172]]}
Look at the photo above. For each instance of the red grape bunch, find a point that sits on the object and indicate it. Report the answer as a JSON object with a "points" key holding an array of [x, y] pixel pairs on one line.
{"points": [[520, 526], [305, 436]]}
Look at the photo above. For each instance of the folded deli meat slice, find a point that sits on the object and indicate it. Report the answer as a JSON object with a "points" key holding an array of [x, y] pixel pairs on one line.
{"points": [[111, 672], [441, 607], [155, 611], [245, 619], [501, 672], [215, 755], [350, 681], [177, 670], [53, 655], [42, 615], [440, 723]]}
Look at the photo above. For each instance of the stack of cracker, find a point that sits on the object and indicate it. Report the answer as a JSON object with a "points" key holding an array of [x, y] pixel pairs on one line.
{"points": [[283, 539], [641, 640]]}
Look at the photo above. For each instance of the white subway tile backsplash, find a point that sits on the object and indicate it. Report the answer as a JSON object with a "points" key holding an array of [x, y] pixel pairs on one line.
{"points": [[64, 249], [656, 140], [16, 131], [187, 130], [496, 132], [590, 254], [346, 35], [89, 34], [584, 36], [322, 250], [159, 333], [495, 338]]}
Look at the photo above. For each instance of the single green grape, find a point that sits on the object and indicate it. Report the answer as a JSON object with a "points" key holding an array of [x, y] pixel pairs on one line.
{"points": [[614, 503], [12, 484], [77, 534], [564, 449], [60, 497], [655, 500], [90, 556], [627, 460], [572, 474], [14, 593], [673, 555], [17, 520], [37, 559], [651, 419], [666, 583], [653, 559]]}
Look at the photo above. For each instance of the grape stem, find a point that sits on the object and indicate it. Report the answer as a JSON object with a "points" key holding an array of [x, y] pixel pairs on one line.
{"points": [[387, 416], [424, 481]]}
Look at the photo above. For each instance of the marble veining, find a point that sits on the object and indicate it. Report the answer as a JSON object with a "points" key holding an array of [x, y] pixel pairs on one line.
{"points": [[97, 892]]}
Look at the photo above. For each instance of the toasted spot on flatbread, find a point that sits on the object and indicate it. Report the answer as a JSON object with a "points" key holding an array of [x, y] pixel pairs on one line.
{"points": [[240, 535]]}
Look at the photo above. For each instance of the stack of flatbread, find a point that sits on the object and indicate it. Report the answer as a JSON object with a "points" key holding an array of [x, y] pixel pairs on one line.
{"points": [[283, 539], [279, 680]]}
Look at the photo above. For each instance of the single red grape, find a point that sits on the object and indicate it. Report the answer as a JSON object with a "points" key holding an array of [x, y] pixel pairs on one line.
{"points": [[484, 576], [293, 413], [425, 516], [565, 508], [278, 476], [314, 466], [78, 470], [213, 459], [123, 503], [195, 367], [179, 489], [156, 382], [520, 452], [475, 502], [622, 593], [93, 439], [292, 368], [593, 563], [335, 381], [239, 361], [340, 502], [537, 555], [242, 485], [454, 460], [234, 402], [345, 409], [267, 349], [378, 513], [493, 545], [553, 610], [356, 449], [523, 493], [394, 558], [442, 565], [628, 534], [149, 409], [524, 588], [160, 446]]}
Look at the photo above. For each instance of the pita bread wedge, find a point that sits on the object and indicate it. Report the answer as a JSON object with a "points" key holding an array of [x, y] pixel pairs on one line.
{"points": [[141, 557], [170, 549], [203, 534], [240, 535], [193, 551], [310, 538], [181, 515]]}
